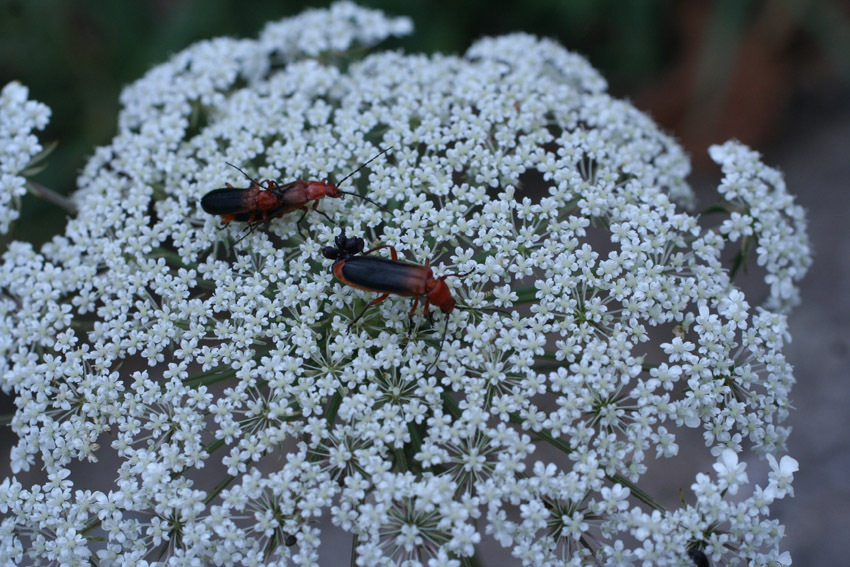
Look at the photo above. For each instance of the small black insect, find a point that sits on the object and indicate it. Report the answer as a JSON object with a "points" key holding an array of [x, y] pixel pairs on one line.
{"points": [[699, 558]]}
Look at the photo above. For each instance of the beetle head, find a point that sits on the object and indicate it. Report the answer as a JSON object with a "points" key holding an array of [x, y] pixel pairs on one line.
{"points": [[345, 247]]}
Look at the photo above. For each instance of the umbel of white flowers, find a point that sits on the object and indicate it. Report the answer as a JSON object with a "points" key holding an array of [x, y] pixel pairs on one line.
{"points": [[18, 146], [263, 419]]}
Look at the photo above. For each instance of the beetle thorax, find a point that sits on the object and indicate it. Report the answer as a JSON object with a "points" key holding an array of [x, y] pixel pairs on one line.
{"points": [[319, 189], [439, 295], [265, 200]]}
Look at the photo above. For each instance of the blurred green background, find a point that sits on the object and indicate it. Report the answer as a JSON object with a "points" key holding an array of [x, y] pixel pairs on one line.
{"points": [[706, 70]]}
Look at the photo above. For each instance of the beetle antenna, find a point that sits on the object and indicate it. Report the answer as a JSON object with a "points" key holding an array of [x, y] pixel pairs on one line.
{"points": [[251, 228], [362, 197], [242, 172], [379, 154], [457, 275], [492, 309], [365, 199]]}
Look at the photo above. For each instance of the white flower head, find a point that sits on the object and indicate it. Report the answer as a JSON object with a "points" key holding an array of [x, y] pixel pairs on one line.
{"points": [[592, 318], [19, 117]]}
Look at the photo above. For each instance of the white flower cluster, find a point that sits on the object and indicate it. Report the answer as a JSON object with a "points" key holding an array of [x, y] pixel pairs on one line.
{"points": [[762, 209], [261, 414], [18, 145]]}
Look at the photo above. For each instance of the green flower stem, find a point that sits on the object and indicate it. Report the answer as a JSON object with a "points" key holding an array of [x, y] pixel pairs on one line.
{"points": [[333, 408], [225, 482], [473, 561], [43, 192], [740, 259], [415, 439], [210, 377], [636, 492], [174, 259], [549, 355], [354, 551], [450, 405], [525, 294], [401, 460]]}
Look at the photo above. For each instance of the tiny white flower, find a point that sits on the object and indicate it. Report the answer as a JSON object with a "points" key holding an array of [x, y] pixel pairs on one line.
{"points": [[730, 472], [782, 475]]}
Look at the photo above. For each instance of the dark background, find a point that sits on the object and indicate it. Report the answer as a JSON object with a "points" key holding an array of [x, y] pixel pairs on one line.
{"points": [[773, 74]]}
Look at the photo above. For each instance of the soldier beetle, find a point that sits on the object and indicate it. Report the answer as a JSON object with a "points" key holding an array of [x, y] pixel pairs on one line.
{"points": [[265, 200], [388, 277]]}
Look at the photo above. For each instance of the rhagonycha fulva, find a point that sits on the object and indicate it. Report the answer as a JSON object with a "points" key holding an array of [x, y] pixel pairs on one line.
{"points": [[265, 200], [388, 277]]}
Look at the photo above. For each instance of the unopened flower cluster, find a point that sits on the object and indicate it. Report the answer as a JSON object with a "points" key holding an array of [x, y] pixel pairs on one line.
{"points": [[18, 145], [231, 416]]}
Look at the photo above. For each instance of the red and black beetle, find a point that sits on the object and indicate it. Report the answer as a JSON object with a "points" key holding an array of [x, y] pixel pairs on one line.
{"points": [[265, 200], [388, 277]]}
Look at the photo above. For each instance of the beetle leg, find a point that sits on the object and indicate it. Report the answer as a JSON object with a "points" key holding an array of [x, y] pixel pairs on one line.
{"points": [[415, 305], [252, 226], [375, 301], [298, 222], [410, 316], [323, 214]]}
